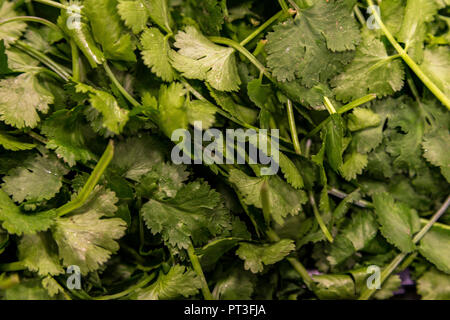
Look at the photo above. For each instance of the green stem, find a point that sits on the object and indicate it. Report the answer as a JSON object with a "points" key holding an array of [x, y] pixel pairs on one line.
{"points": [[245, 53], [410, 62], [33, 19], [146, 279], [122, 90], [75, 62], [283, 5], [266, 203], [319, 219], [29, 7], [359, 15], [293, 127], [52, 4], [90, 183], [59, 70], [329, 105], [343, 109], [198, 269], [297, 265], [13, 266], [262, 27], [385, 274]]}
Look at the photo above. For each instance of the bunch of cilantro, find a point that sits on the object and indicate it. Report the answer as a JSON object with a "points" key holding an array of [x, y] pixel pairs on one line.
{"points": [[92, 207]]}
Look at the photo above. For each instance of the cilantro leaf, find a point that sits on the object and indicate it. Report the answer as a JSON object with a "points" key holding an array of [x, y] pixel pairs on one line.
{"points": [[19, 109], [354, 164], [134, 14], [256, 257], [199, 58], [179, 281], [334, 141], [435, 246], [196, 212], [12, 143], [434, 285], [39, 179], [12, 31], [433, 144], [155, 54], [436, 65], [324, 30]]}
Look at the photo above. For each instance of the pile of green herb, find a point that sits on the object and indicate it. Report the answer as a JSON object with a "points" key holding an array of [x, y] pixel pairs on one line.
{"points": [[91, 92]]}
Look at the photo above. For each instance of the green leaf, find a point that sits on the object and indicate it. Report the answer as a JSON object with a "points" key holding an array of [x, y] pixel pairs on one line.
{"points": [[28, 289], [159, 12], [108, 29], [208, 14], [372, 71], [435, 246], [314, 46], [353, 165], [68, 134], [334, 286], [397, 222], [39, 179], [436, 64], [155, 54], [257, 256], [433, 146], [114, 117], [362, 118], [12, 143], [290, 172], [196, 212], [12, 31], [38, 253], [353, 237], [17, 222], [203, 111], [172, 108], [236, 284], [284, 199], [434, 285], [179, 281], [334, 141], [199, 58], [134, 14], [84, 238], [21, 98]]}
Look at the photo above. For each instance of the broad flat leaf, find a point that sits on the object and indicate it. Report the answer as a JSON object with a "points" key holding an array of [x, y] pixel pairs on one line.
{"points": [[21, 98], [434, 285], [39, 254], [179, 281], [134, 14], [136, 156], [39, 179], [372, 71], [314, 46], [28, 289], [435, 246], [203, 111], [17, 222], [155, 54], [436, 64], [256, 256], [397, 222], [67, 133], [433, 146], [414, 29], [208, 14], [196, 212], [290, 172], [199, 58], [334, 286], [159, 13], [353, 237], [114, 117], [353, 165], [362, 118], [108, 29], [85, 239], [236, 284], [12, 143], [334, 141], [172, 108], [52, 286], [284, 199], [12, 31]]}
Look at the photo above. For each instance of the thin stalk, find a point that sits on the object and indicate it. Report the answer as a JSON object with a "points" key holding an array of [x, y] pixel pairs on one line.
{"points": [[367, 293], [59, 70], [146, 279], [198, 269], [52, 4], [283, 5], [30, 7], [343, 109], [75, 62], [297, 265], [32, 19], [329, 105], [262, 27], [293, 127], [90, 183], [410, 62], [119, 86], [319, 219], [266, 203], [359, 15]]}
